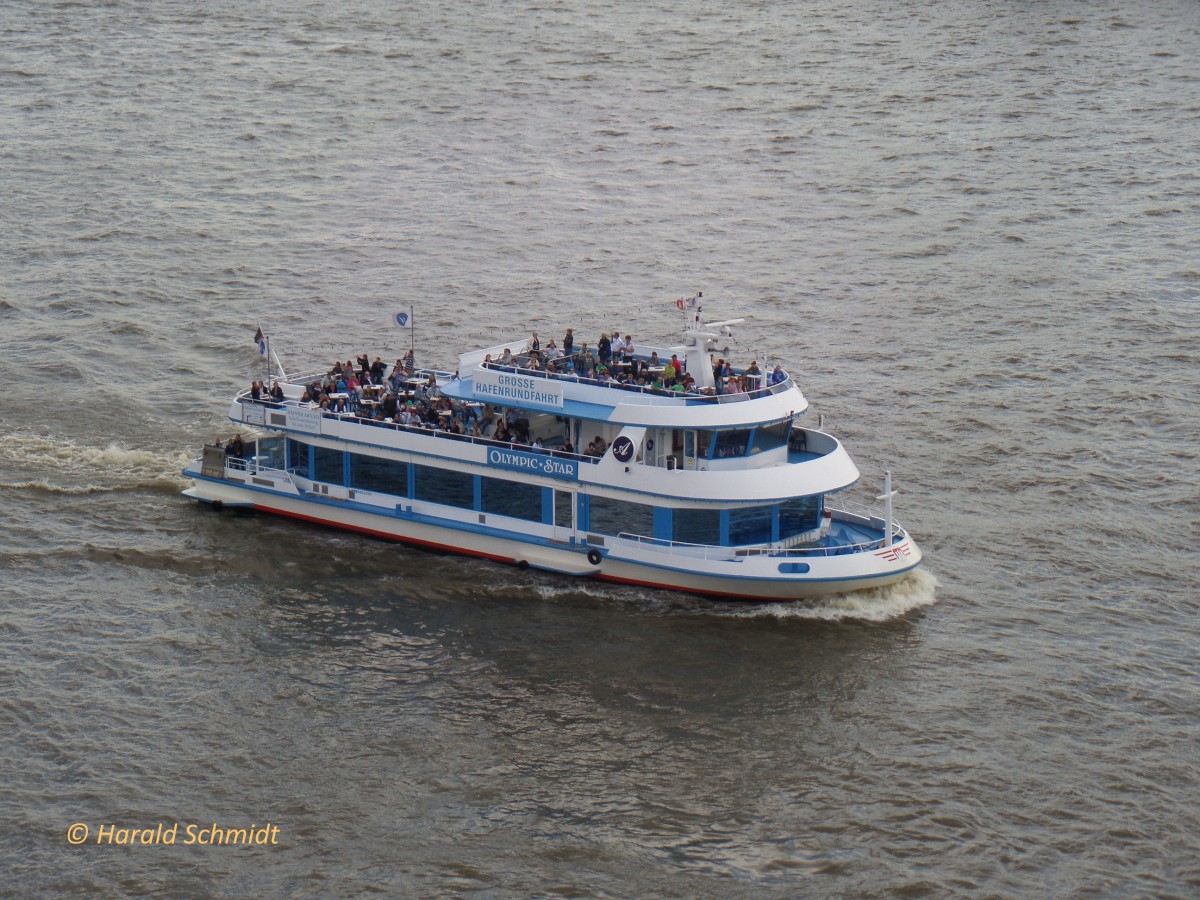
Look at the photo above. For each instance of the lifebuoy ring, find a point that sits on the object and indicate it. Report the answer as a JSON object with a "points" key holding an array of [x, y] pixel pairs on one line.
{"points": [[594, 556], [217, 506]]}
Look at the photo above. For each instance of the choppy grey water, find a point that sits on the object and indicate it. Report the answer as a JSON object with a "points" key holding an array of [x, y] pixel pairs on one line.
{"points": [[969, 228]]}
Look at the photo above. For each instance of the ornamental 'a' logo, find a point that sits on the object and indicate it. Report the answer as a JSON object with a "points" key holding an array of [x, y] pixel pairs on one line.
{"points": [[622, 449]]}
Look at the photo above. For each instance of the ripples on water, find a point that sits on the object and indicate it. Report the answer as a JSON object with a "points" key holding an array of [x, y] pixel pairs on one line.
{"points": [[968, 229]]}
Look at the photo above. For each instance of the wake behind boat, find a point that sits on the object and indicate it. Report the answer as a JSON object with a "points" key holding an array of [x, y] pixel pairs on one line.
{"points": [[657, 466]]}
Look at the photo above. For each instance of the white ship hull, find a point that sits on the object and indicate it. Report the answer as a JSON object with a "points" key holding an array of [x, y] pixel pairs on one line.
{"points": [[745, 574]]}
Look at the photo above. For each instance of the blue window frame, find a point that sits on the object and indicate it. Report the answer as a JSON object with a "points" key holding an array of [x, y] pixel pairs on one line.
{"points": [[383, 476], [510, 498], [445, 486]]}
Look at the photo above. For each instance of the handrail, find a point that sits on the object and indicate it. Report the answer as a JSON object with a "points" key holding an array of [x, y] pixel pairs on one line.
{"points": [[419, 429], [640, 388], [835, 550]]}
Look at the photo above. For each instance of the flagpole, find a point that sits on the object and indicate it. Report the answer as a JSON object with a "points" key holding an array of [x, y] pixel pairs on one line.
{"points": [[412, 330]]}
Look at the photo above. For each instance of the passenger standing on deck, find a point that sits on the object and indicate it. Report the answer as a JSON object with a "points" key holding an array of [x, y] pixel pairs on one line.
{"points": [[568, 342], [604, 348]]}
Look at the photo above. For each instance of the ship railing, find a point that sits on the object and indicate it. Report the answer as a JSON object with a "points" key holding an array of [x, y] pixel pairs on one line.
{"points": [[712, 551], [865, 513], [354, 418], [641, 388], [680, 548], [252, 466], [463, 438]]}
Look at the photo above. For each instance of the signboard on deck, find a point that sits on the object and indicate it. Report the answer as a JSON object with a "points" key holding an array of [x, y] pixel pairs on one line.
{"points": [[306, 420], [533, 463], [254, 414], [505, 388]]}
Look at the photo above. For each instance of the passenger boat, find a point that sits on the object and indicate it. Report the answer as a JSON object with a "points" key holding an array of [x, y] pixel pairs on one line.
{"points": [[711, 485]]}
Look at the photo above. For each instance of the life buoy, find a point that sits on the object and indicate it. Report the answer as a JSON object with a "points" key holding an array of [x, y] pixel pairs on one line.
{"points": [[594, 556], [523, 564], [217, 506]]}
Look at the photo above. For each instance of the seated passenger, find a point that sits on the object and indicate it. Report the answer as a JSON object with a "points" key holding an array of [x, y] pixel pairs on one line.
{"points": [[276, 390], [752, 369], [778, 376], [506, 358]]}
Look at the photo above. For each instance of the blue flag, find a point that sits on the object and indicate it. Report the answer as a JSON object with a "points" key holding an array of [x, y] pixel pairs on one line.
{"points": [[402, 319]]}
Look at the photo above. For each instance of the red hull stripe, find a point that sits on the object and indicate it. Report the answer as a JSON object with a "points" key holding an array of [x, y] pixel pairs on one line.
{"points": [[508, 559], [384, 534]]}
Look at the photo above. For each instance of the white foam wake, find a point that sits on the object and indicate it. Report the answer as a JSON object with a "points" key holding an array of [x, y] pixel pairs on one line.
{"points": [[40, 457], [873, 605]]}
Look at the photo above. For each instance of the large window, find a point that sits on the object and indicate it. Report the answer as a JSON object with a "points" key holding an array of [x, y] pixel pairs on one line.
{"points": [[298, 457], [270, 451], [798, 516], [731, 443], [384, 476], [446, 486], [327, 465], [750, 525], [771, 437], [511, 498], [617, 516], [696, 526]]}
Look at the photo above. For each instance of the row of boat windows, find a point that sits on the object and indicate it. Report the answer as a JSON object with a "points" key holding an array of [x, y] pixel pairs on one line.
{"points": [[761, 524], [738, 441]]}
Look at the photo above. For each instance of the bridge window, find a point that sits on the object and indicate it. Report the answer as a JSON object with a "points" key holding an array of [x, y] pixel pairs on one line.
{"points": [[771, 437], [731, 443]]}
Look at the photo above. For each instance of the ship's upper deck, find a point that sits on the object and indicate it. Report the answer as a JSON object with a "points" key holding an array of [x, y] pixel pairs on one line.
{"points": [[631, 390]]}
